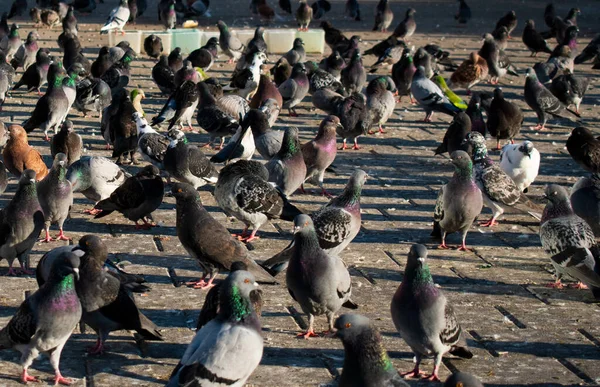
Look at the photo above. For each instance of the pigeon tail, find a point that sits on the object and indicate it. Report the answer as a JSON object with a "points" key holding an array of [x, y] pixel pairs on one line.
{"points": [[262, 275], [289, 211], [279, 262], [352, 305], [437, 230], [148, 329], [461, 352]]}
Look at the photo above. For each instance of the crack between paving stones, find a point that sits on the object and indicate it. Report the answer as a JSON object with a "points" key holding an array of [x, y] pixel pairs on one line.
{"points": [[575, 370]]}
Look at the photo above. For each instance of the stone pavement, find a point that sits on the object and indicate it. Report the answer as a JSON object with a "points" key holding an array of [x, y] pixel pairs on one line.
{"points": [[521, 332]]}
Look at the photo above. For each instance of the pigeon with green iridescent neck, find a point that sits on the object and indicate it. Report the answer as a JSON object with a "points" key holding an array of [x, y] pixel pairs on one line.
{"points": [[287, 169], [228, 348], [459, 202], [402, 75], [11, 42], [423, 316], [381, 101], [56, 197], [354, 74], [45, 320], [230, 44], [366, 361], [25, 55], [21, 222], [318, 281], [118, 75], [499, 190], [106, 303]]}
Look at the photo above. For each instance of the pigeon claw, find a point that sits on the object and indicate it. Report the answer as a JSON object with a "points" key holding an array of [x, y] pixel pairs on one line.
{"points": [[25, 378], [432, 378], [306, 335], [62, 237], [443, 246], [463, 247], [413, 374], [59, 379], [555, 285], [578, 285], [490, 223], [92, 211]]}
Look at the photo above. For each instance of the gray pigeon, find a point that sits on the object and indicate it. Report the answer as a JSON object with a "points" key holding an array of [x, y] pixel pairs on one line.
{"points": [[168, 16], [96, 178], [56, 197], [296, 54], [107, 306], [354, 74], [7, 73], [294, 89], [408, 26], [381, 101], [117, 18], [188, 164], [542, 101], [462, 379], [287, 168], [354, 116], [498, 62], [430, 96], [366, 362], [383, 16], [25, 55], [68, 142], [569, 240], [498, 189], [267, 140], [459, 202], [423, 316], [230, 44], [21, 222], [585, 200], [570, 89], [227, 349], [455, 135], [243, 192], [207, 240], [320, 152], [45, 320], [319, 282], [422, 58]]}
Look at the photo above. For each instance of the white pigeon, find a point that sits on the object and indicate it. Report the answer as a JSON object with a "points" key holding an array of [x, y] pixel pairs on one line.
{"points": [[117, 19], [521, 162]]}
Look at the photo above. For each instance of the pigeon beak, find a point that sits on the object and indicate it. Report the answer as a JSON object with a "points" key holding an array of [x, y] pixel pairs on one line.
{"points": [[32, 181], [255, 284], [76, 273], [61, 163]]}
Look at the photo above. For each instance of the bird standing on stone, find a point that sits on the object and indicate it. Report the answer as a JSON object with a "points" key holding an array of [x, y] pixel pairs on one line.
{"points": [[402, 75], [188, 164], [408, 26], [459, 202], [294, 89], [509, 21], [117, 19], [383, 16], [464, 13], [228, 348], [320, 152], [304, 15], [424, 317], [470, 72], [504, 118], [521, 162], [212, 118], [455, 135], [230, 44], [287, 169], [354, 74], [570, 89], [430, 96], [18, 155], [153, 46], [366, 362], [56, 197], [381, 101], [585, 200], [318, 281], [534, 40], [584, 148], [45, 320]]}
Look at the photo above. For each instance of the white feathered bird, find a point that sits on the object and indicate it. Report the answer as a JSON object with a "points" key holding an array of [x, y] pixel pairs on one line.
{"points": [[521, 162], [117, 19]]}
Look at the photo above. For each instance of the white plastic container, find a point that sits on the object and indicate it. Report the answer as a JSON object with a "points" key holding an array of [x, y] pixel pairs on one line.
{"points": [[164, 36], [314, 40], [244, 36], [280, 41], [187, 39], [133, 37]]}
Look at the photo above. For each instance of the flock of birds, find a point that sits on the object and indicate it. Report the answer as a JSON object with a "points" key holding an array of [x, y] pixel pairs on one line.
{"points": [[78, 282]]}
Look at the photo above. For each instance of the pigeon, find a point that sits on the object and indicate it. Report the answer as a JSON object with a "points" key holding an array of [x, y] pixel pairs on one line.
{"points": [[320, 152], [175, 59], [207, 240], [333, 64], [366, 362], [228, 348], [294, 89], [21, 222], [120, 128], [212, 118], [584, 200], [498, 189], [245, 82], [354, 74], [153, 46], [319, 78], [534, 40], [590, 51], [459, 202], [498, 62], [389, 58], [542, 101], [243, 192], [188, 164], [464, 12], [211, 308], [19, 156], [470, 72], [11, 42], [240, 147], [584, 148], [509, 21], [462, 379], [163, 76], [304, 15], [35, 76], [318, 281], [266, 90], [25, 55], [69, 22], [402, 75], [152, 145], [281, 71], [407, 27], [426, 60], [430, 96], [185, 100], [119, 74], [117, 18], [56, 197], [136, 198], [287, 169], [320, 8], [549, 15], [45, 320], [102, 63], [423, 316], [333, 36], [267, 141], [569, 240], [204, 57], [355, 117], [570, 89], [500, 36], [258, 43], [353, 10], [455, 135], [381, 101], [106, 303], [383, 16], [92, 95], [17, 8], [7, 73], [230, 44], [167, 15], [521, 162], [504, 118], [47, 17], [296, 54], [96, 178]]}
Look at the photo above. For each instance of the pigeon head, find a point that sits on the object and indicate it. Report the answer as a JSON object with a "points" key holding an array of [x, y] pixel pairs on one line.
{"points": [[123, 3], [571, 32], [137, 94], [149, 171], [32, 36], [462, 379], [462, 162], [498, 93], [556, 194], [163, 60], [298, 43], [417, 270], [302, 222], [235, 295], [93, 248], [558, 202], [477, 141], [351, 195], [530, 73], [581, 135], [349, 326], [27, 178], [222, 26], [329, 126], [530, 23], [66, 264], [184, 191], [410, 12], [526, 148], [60, 161], [178, 135], [573, 12], [298, 69]]}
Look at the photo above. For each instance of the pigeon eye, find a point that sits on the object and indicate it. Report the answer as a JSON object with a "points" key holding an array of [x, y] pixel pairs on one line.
{"points": [[348, 325], [459, 384], [246, 281], [179, 190]]}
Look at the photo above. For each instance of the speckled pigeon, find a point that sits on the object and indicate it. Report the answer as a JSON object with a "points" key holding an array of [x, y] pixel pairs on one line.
{"points": [[585, 200]]}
